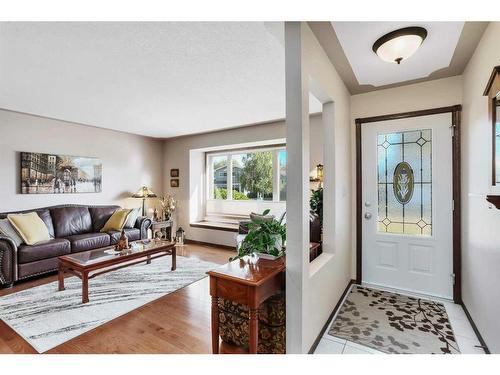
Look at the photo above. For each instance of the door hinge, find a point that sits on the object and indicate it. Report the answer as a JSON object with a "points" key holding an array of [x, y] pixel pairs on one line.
{"points": [[453, 204], [453, 278]]}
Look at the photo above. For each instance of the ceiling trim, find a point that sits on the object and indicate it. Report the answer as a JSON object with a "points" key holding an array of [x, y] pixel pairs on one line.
{"points": [[469, 38]]}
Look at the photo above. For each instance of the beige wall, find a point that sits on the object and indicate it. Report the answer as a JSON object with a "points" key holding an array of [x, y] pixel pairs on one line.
{"points": [[176, 154], [433, 94], [128, 160], [480, 224]]}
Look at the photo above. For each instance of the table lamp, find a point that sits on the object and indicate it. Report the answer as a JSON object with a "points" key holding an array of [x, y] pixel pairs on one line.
{"points": [[143, 193]]}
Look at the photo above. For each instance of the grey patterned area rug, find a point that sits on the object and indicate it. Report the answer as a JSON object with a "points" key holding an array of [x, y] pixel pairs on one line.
{"points": [[46, 317], [393, 323]]}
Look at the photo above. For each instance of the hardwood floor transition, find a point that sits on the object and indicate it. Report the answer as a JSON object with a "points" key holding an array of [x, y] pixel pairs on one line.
{"points": [[176, 323]]}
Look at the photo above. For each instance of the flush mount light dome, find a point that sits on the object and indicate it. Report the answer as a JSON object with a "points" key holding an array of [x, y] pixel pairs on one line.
{"points": [[399, 44]]}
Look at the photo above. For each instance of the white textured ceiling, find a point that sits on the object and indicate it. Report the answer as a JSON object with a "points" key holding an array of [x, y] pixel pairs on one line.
{"points": [[357, 38], [156, 79]]}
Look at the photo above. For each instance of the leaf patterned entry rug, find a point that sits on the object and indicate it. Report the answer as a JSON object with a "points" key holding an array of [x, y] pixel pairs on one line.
{"points": [[393, 323]]}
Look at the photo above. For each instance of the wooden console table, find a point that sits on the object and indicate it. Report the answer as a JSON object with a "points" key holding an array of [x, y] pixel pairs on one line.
{"points": [[248, 281]]}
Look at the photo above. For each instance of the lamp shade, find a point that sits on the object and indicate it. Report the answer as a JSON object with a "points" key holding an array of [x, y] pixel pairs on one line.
{"points": [[319, 172], [400, 44], [144, 192]]}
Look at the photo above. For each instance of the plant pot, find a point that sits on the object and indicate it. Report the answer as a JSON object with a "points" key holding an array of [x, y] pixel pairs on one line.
{"points": [[268, 256], [278, 244]]}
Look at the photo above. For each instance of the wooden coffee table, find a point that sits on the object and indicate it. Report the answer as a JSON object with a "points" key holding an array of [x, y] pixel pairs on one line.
{"points": [[89, 264]]}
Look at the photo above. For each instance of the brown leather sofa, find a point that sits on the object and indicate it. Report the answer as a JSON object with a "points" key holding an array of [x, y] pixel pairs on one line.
{"points": [[73, 228]]}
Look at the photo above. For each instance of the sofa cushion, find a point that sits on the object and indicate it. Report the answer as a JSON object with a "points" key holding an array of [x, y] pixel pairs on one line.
{"points": [[43, 250], [69, 221], [47, 219], [100, 215], [88, 241], [133, 234]]}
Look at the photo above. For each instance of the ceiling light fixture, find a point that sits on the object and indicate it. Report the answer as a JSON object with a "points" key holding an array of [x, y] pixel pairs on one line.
{"points": [[399, 44]]}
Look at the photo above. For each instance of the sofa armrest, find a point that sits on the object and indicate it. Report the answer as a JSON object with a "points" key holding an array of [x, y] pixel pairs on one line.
{"points": [[143, 223], [8, 260]]}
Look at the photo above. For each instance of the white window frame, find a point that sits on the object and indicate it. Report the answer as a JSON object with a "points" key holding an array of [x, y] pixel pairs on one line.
{"points": [[275, 149]]}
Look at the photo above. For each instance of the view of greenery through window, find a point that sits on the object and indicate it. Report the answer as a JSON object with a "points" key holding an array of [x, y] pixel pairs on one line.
{"points": [[252, 175], [219, 165], [282, 166]]}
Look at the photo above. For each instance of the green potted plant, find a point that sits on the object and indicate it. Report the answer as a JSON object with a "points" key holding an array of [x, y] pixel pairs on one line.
{"points": [[316, 203], [266, 237]]}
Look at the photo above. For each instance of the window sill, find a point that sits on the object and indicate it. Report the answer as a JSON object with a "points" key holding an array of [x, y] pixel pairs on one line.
{"points": [[215, 226], [246, 201]]}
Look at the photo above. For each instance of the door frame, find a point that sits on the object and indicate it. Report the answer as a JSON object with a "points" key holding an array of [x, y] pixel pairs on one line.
{"points": [[456, 111]]}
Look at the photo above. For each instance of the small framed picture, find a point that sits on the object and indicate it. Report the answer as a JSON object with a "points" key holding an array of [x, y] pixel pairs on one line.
{"points": [[174, 172], [174, 182]]}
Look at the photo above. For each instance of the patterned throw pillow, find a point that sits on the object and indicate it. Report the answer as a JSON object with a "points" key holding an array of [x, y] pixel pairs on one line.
{"points": [[132, 218], [8, 230]]}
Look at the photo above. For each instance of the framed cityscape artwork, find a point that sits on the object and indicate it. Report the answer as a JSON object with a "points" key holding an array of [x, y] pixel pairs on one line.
{"points": [[59, 174]]}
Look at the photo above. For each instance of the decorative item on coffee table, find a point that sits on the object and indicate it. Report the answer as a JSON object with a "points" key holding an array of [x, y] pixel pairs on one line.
{"points": [[122, 242]]}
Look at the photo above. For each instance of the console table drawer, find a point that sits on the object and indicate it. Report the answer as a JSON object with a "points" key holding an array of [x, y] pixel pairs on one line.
{"points": [[233, 291]]}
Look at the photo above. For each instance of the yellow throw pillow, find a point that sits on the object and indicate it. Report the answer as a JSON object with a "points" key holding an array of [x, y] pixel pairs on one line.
{"points": [[116, 221], [30, 227]]}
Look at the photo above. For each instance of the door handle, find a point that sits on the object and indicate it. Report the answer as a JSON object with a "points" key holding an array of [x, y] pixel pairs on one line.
{"points": [[368, 215]]}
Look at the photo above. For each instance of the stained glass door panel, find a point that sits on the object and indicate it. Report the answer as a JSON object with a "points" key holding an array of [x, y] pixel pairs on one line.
{"points": [[404, 179]]}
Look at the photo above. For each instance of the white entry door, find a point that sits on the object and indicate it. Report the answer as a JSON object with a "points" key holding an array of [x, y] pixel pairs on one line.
{"points": [[408, 204]]}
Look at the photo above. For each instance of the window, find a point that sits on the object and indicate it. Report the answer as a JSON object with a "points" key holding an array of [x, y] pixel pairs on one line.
{"points": [[219, 177], [255, 175]]}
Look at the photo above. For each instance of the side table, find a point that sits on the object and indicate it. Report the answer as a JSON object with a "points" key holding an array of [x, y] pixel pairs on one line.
{"points": [[248, 281], [165, 227]]}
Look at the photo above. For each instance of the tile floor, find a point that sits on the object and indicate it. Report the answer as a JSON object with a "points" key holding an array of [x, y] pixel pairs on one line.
{"points": [[464, 334]]}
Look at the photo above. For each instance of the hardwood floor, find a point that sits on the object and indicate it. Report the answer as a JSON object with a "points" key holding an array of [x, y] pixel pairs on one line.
{"points": [[176, 323]]}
